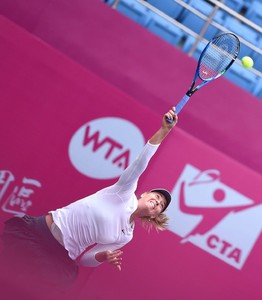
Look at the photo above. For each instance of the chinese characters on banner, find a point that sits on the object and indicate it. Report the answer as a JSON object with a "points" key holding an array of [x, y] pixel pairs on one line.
{"points": [[16, 196]]}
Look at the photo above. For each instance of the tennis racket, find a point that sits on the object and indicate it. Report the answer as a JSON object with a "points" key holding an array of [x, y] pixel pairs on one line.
{"points": [[216, 58]]}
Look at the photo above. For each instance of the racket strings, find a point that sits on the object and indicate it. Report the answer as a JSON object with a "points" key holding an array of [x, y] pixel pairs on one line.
{"points": [[219, 55]]}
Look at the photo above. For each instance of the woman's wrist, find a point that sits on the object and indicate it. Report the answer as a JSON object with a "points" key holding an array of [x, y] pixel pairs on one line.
{"points": [[159, 136]]}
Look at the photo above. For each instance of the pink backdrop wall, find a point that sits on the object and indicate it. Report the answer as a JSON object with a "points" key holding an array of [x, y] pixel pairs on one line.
{"points": [[147, 68], [212, 248]]}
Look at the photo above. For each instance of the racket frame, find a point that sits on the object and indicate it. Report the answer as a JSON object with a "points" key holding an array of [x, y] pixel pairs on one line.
{"points": [[194, 88]]}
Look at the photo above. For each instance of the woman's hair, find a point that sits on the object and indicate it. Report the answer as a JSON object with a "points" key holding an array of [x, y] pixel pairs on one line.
{"points": [[160, 222]]}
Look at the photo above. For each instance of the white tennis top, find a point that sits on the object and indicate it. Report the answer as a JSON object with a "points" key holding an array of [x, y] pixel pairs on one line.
{"points": [[102, 220]]}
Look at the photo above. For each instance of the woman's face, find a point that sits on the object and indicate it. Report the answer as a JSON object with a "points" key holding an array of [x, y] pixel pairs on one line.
{"points": [[151, 204]]}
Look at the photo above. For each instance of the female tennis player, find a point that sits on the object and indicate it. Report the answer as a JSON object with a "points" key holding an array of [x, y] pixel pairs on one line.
{"points": [[91, 230]]}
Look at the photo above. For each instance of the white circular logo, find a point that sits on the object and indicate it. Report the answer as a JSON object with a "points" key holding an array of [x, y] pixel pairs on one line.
{"points": [[104, 147]]}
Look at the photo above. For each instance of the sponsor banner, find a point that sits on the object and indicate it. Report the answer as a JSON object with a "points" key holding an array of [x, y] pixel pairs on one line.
{"points": [[104, 147], [66, 133], [213, 216]]}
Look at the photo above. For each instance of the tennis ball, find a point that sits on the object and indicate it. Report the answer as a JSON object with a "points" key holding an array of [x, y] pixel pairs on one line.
{"points": [[247, 62]]}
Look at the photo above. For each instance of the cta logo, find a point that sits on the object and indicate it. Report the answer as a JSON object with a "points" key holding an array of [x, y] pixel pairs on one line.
{"points": [[104, 147], [214, 217]]}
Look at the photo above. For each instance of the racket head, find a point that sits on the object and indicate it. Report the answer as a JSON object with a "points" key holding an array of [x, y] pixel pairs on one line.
{"points": [[218, 55]]}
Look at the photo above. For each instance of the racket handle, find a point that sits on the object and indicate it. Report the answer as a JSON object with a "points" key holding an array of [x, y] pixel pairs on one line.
{"points": [[179, 106], [181, 103]]}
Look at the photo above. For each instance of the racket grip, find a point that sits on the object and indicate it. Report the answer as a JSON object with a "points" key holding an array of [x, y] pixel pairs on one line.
{"points": [[181, 103], [179, 107]]}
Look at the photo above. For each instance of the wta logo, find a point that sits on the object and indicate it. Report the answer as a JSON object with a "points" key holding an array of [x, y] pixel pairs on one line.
{"points": [[104, 147], [214, 217]]}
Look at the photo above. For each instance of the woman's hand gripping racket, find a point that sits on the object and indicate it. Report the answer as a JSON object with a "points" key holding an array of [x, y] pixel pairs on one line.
{"points": [[216, 58]]}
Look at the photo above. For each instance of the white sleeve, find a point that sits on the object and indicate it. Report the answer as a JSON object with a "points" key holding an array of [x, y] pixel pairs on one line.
{"points": [[132, 173], [88, 258]]}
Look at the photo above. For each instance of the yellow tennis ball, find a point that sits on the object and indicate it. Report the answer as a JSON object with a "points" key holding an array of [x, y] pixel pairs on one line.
{"points": [[247, 62]]}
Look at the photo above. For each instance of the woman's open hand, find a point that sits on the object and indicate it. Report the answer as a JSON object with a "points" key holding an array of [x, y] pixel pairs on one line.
{"points": [[112, 257]]}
